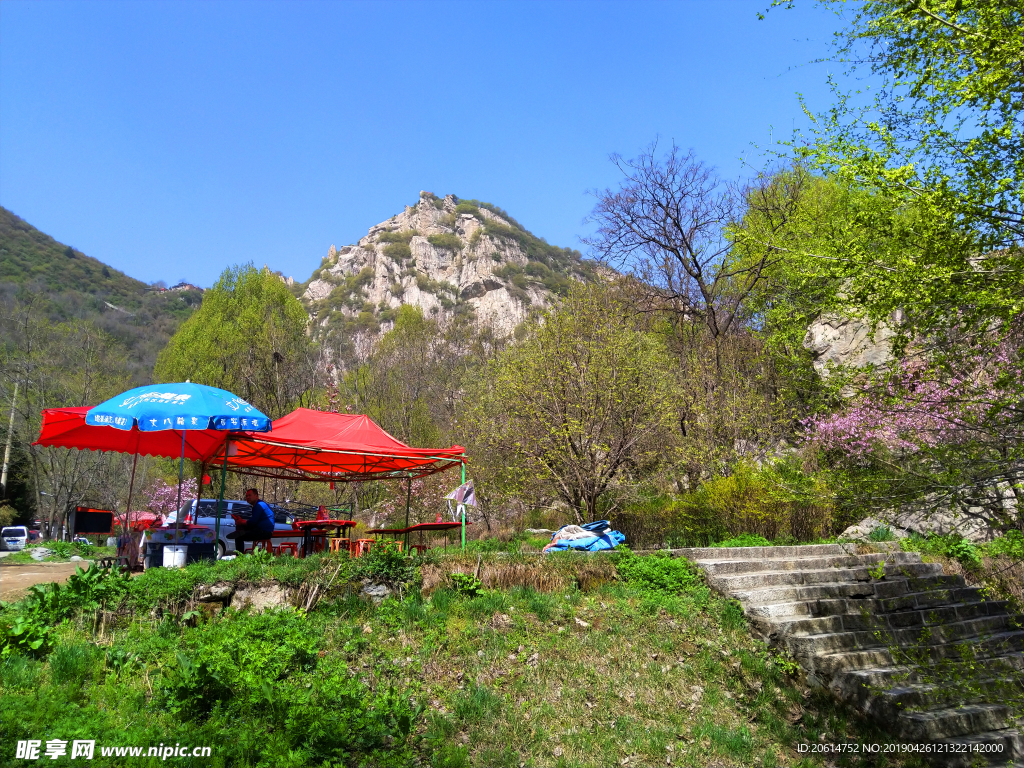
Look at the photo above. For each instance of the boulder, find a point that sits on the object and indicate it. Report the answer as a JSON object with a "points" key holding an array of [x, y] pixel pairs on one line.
{"points": [[922, 522], [375, 592], [216, 593], [863, 529], [259, 598]]}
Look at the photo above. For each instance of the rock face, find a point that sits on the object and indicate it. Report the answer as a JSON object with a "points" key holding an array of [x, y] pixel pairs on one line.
{"points": [[843, 341], [445, 257]]}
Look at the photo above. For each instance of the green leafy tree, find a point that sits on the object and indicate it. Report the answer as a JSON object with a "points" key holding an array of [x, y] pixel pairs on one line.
{"points": [[939, 145], [583, 403], [908, 213], [249, 337]]}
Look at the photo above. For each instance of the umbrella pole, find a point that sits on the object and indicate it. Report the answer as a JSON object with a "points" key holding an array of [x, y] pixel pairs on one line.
{"points": [[199, 490], [463, 510], [220, 501], [181, 479], [131, 487]]}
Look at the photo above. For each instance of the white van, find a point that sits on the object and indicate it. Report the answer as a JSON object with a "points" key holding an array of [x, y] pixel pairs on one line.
{"points": [[206, 516], [14, 538]]}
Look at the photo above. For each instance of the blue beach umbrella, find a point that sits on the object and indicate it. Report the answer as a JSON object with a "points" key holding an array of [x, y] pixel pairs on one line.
{"points": [[178, 407]]}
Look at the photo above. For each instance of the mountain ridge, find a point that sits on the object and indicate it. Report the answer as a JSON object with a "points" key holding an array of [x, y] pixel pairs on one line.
{"points": [[65, 284]]}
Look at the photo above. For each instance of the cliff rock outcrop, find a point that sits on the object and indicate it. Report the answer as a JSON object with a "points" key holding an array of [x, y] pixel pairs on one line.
{"points": [[446, 257]]}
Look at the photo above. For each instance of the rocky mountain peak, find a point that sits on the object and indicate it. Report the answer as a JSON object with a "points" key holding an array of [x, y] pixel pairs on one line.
{"points": [[446, 256]]}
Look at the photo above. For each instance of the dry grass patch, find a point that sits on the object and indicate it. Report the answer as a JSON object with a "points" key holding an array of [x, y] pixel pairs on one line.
{"points": [[543, 574]]}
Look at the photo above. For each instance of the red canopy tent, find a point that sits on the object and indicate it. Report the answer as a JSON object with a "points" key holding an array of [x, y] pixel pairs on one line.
{"points": [[304, 445], [327, 447]]}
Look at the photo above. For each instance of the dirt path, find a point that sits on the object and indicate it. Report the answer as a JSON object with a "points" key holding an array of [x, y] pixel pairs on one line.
{"points": [[16, 579]]}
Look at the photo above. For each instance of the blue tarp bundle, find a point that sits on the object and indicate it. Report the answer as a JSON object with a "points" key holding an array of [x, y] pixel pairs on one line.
{"points": [[604, 538]]}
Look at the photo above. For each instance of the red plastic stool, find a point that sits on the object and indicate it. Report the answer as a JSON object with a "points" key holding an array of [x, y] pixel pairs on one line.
{"points": [[263, 544], [362, 546], [287, 546]]}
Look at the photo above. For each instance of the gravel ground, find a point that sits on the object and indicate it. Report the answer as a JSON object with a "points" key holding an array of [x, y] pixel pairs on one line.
{"points": [[16, 579]]}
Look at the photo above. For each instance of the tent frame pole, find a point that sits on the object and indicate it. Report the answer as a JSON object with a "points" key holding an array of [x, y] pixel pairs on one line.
{"points": [[408, 503]]}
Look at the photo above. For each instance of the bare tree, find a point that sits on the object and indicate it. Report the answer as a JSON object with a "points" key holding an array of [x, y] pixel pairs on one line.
{"points": [[669, 223]]}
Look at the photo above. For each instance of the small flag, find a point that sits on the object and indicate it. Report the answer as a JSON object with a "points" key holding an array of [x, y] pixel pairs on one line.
{"points": [[464, 494]]}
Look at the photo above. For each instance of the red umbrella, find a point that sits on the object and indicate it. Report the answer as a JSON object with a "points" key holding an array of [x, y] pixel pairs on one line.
{"points": [[66, 428]]}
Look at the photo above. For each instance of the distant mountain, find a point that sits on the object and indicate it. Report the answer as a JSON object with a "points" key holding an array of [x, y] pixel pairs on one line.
{"points": [[65, 283], [446, 256]]}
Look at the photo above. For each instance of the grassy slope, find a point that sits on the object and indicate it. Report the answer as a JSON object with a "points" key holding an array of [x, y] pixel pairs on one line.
{"points": [[615, 673], [65, 283]]}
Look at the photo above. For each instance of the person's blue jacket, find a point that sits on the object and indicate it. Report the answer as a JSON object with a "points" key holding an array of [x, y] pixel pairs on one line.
{"points": [[262, 517]]}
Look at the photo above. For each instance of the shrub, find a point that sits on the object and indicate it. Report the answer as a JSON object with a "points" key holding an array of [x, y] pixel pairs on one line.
{"points": [[397, 237], [466, 584], [659, 573], [744, 540], [774, 502], [1011, 544], [398, 252], [385, 562], [952, 546], [882, 533], [446, 240], [469, 208]]}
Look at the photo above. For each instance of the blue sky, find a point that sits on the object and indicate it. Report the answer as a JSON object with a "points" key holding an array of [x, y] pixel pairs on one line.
{"points": [[172, 139]]}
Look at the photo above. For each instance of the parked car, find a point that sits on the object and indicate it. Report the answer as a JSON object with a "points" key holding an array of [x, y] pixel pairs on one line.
{"points": [[14, 538], [203, 513]]}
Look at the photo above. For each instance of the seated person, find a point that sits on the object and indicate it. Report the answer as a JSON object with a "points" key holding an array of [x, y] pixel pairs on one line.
{"points": [[258, 527]]}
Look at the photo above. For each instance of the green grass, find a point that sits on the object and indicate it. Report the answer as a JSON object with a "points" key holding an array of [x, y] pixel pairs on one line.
{"points": [[87, 553], [649, 667]]}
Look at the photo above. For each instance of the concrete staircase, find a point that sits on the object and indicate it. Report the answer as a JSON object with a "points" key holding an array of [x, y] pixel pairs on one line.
{"points": [[894, 646]]}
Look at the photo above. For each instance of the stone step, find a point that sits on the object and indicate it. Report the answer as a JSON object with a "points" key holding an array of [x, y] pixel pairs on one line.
{"points": [[780, 611], [828, 665], [996, 747], [952, 722], [916, 638], [824, 606], [946, 588], [880, 677], [746, 581], [924, 697], [866, 620], [923, 600], [727, 567], [760, 553]]}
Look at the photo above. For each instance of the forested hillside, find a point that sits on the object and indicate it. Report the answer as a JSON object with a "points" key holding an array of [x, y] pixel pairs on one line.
{"points": [[63, 284]]}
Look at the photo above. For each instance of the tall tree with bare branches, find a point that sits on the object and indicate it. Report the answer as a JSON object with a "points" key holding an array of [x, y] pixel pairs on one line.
{"points": [[669, 224]]}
